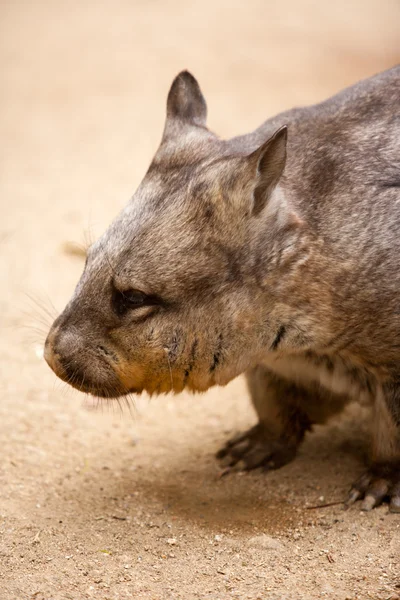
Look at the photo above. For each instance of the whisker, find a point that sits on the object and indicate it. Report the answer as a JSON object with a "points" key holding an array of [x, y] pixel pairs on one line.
{"points": [[39, 305], [39, 320], [166, 350], [88, 236], [39, 327], [32, 333], [130, 403], [53, 308], [104, 248]]}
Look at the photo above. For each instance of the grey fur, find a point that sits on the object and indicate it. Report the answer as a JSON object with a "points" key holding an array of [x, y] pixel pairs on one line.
{"points": [[275, 258]]}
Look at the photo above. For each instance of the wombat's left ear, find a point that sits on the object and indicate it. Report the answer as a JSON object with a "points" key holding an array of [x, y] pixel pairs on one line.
{"points": [[185, 102], [268, 162]]}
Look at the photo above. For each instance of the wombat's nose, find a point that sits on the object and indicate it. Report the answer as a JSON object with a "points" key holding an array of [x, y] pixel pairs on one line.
{"points": [[51, 356], [63, 354]]}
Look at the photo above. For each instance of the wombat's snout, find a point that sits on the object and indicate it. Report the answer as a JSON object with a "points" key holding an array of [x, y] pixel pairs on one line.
{"points": [[51, 357], [68, 354], [60, 352]]}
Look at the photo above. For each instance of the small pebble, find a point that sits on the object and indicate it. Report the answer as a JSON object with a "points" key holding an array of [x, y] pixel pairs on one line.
{"points": [[171, 541]]}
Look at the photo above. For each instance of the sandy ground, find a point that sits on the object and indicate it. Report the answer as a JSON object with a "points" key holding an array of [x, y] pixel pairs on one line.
{"points": [[105, 504]]}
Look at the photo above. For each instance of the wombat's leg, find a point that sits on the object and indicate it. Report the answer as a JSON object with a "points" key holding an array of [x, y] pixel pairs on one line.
{"points": [[382, 480], [282, 423]]}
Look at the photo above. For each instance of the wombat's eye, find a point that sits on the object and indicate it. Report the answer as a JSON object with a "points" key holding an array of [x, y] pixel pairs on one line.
{"points": [[134, 297], [129, 300]]}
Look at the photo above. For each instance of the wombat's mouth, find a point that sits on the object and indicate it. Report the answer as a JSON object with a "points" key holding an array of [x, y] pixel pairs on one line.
{"points": [[103, 382], [83, 384]]}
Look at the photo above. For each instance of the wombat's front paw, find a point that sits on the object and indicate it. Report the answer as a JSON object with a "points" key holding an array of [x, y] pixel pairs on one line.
{"points": [[254, 449], [377, 484]]}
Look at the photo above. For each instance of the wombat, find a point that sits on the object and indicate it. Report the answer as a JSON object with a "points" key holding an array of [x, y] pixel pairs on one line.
{"points": [[275, 254]]}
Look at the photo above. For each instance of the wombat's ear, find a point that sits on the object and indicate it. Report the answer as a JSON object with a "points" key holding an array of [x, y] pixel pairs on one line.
{"points": [[268, 162], [186, 102]]}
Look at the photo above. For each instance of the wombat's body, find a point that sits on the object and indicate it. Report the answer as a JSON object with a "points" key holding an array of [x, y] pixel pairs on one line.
{"points": [[275, 257]]}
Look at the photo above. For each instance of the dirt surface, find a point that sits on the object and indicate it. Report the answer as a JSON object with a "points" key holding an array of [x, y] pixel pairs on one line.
{"points": [[101, 503]]}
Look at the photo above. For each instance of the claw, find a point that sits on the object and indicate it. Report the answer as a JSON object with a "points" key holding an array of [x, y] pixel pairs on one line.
{"points": [[368, 503], [358, 490], [224, 472], [374, 490], [240, 449], [394, 506], [237, 439], [227, 461], [354, 495], [375, 494]]}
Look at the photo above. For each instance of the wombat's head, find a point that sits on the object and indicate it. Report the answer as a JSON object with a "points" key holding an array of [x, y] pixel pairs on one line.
{"points": [[170, 295]]}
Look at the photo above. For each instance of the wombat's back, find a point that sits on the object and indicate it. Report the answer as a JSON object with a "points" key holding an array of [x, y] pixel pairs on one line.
{"points": [[343, 176], [343, 163]]}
